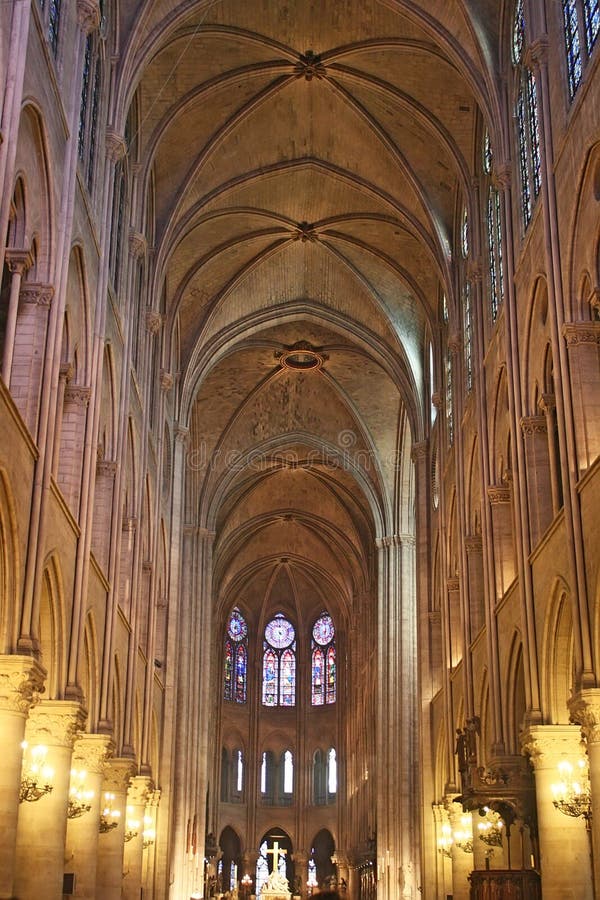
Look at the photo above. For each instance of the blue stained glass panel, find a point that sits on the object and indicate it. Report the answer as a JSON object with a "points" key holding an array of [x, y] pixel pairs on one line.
{"points": [[592, 22], [270, 678], [573, 46], [318, 676], [288, 678]]}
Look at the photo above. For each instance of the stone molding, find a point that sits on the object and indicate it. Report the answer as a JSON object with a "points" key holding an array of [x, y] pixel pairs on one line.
{"points": [[166, 381], [56, 723], [21, 683], [474, 270], [581, 333], [137, 244], [181, 433], [537, 52], [546, 745], [309, 66], [534, 425], [106, 468], [36, 293], [88, 15], [453, 584], [454, 343], [395, 540], [91, 752], [498, 494], [77, 394], [419, 450], [502, 176], [130, 524], [547, 402], [473, 543]]}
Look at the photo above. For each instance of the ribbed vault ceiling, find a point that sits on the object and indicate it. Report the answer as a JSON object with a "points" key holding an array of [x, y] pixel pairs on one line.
{"points": [[308, 159]]}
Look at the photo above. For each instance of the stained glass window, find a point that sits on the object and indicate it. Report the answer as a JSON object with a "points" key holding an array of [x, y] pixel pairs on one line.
{"points": [[449, 399], [54, 24], [527, 116], [464, 234], [323, 663], [487, 153], [262, 868], [573, 44], [591, 11], [468, 335], [279, 663], [331, 772], [235, 658], [494, 233]]}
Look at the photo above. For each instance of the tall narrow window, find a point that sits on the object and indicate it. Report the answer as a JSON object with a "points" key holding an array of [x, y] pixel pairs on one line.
{"points": [[239, 771], [528, 134], [288, 772], [494, 233], [592, 22], [235, 658], [279, 663], [572, 45], [468, 335], [54, 9], [324, 674], [449, 399], [331, 772], [88, 111]]}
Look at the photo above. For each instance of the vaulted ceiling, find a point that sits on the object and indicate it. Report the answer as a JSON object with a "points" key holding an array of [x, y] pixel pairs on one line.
{"points": [[308, 160]]}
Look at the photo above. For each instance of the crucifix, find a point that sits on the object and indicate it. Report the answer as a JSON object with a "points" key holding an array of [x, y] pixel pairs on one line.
{"points": [[276, 852]]}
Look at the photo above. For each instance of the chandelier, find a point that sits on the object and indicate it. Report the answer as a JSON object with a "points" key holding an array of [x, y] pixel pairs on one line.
{"points": [[36, 775], [463, 836], [79, 797], [109, 817], [572, 794], [490, 830], [149, 833], [445, 840]]}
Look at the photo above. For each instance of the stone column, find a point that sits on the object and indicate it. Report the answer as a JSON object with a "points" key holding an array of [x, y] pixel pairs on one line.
{"points": [[502, 526], [149, 844], [397, 757], [21, 680], [89, 755], [29, 350], [455, 623], [109, 878], [42, 824], [462, 857], [539, 488], [102, 521], [18, 261], [300, 858], [583, 343], [564, 845], [585, 709], [474, 550], [76, 400], [137, 795]]}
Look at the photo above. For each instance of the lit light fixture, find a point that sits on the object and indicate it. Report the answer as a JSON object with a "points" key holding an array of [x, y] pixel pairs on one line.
{"points": [[131, 827], [109, 817], [79, 797], [246, 883], [445, 841], [490, 830], [36, 776], [463, 836], [572, 795], [149, 834]]}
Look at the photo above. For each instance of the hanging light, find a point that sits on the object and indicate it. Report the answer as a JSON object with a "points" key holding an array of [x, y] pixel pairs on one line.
{"points": [[36, 775], [109, 817], [79, 796]]}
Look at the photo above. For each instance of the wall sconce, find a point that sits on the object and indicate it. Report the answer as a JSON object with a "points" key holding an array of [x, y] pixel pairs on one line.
{"points": [[445, 841], [131, 828], [109, 817], [78, 795], [490, 830], [572, 794], [149, 834], [36, 776], [463, 836]]}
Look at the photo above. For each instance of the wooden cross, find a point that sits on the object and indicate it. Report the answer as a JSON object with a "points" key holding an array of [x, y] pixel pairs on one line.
{"points": [[276, 852]]}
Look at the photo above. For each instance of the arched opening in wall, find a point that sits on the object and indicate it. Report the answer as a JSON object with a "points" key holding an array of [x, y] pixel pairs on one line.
{"points": [[265, 862], [485, 724], [52, 645], [117, 707], [517, 703], [9, 565], [229, 865], [322, 849], [15, 241], [552, 426], [90, 678], [559, 659]]}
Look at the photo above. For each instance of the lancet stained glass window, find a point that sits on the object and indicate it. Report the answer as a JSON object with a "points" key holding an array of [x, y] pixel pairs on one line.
{"points": [[235, 658], [279, 663], [494, 232], [323, 663], [572, 44], [528, 132], [468, 335], [592, 22], [54, 24]]}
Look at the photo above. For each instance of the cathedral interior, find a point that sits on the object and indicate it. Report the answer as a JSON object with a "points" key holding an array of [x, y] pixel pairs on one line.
{"points": [[300, 449]]}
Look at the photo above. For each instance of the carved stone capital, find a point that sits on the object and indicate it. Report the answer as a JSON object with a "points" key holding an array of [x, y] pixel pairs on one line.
{"points": [[474, 270], [88, 15], [36, 293], [55, 723], [546, 745], [473, 543], [436, 399], [581, 333], [106, 468], [502, 176], [116, 146], [181, 433], [453, 584], [166, 381], [585, 711], [139, 788], [547, 402], [18, 261], [130, 524], [154, 321], [66, 372], [91, 751], [454, 343], [137, 244], [21, 683], [77, 394], [534, 425], [419, 451], [117, 773], [537, 53], [498, 494]]}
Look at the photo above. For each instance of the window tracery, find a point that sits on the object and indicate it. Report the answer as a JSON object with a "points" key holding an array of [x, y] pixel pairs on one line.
{"points": [[235, 660], [279, 663], [324, 677], [527, 115]]}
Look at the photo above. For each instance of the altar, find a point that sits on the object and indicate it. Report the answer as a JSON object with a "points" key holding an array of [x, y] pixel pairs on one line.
{"points": [[276, 887]]}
